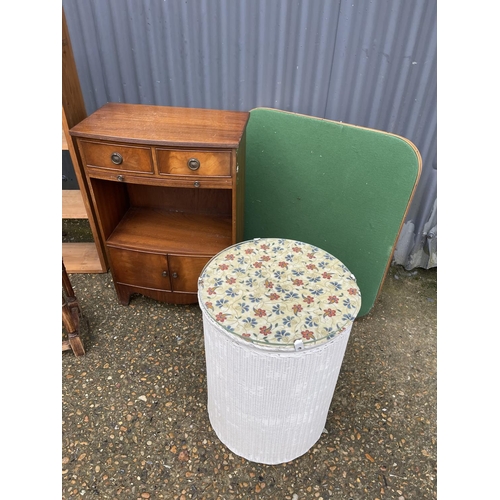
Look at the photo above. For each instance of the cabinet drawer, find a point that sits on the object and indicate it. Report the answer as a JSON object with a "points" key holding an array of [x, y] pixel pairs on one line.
{"points": [[117, 157], [141, 269], [180, 162], [185, 271]]}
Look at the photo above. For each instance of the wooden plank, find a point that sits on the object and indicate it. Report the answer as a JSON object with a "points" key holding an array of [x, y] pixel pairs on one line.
{"points": [[72, 97], [81, 258], [64, 141], [72, 204]]}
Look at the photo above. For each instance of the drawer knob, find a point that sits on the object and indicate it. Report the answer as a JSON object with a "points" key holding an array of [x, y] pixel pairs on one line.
{"points": [[164, 274], [196, 184], [175, 275], [116, 158], [120, 178], [193, 164]]}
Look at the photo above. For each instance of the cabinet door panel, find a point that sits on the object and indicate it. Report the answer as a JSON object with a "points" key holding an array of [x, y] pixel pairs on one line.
{"points": [[185, 271], [149, 270]]}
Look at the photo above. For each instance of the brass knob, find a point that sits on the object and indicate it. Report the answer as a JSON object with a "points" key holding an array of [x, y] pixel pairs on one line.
{"points": [[196, 184], [193, 164], [120, 178], [175, 275], [164, 274], [116, 158]]}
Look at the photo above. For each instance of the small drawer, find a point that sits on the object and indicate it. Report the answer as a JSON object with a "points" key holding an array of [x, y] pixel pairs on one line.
{"points": [[117, 157], [177, 162]]}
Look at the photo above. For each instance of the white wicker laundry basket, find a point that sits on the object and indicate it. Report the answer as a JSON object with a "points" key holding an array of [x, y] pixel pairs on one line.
{"points": [[277, 315]]}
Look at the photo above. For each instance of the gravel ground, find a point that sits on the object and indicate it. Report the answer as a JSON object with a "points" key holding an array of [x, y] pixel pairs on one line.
{"points": [[135, 422]]}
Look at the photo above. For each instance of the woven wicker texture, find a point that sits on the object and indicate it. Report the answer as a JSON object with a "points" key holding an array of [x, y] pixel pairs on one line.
{"points": [[265, 405]]}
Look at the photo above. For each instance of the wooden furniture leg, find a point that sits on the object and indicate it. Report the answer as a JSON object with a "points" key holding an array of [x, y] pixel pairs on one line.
{"points": [[71, 317]]}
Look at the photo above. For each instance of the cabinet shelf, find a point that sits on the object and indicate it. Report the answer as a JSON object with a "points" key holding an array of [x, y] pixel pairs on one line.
{"points": [[164, 231]]}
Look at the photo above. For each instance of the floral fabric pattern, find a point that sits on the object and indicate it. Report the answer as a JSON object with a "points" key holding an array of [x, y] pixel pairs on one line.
{"points": [[276, 291]]}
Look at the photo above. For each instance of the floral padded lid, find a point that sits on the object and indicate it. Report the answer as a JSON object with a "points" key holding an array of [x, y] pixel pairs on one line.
{"points": [[277, 291]]}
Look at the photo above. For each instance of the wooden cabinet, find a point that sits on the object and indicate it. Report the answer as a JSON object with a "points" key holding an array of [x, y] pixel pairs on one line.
{"points": [[168, 186]]}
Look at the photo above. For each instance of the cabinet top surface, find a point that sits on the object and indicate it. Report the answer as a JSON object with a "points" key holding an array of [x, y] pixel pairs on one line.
{"points": [[164, 125]]}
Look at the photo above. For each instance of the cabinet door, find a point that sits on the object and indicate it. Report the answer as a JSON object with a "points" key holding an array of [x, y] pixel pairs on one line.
{"points": [[185, 271], [147, 270]]}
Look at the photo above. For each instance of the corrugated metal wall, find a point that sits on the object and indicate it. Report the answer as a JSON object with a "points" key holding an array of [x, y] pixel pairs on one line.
{"points": [[365, 62]]}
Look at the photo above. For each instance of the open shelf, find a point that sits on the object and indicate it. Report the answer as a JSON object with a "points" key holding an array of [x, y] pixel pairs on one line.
{"points": [[172, 232]]}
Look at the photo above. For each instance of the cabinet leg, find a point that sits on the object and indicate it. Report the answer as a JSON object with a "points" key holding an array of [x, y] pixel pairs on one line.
{"points": [[123, 295]]}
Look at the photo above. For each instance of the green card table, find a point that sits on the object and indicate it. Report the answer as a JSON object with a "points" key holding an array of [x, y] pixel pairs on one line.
{"points": [[341, 187]]}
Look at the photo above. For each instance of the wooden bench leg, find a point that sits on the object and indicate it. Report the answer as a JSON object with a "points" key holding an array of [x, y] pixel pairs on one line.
{"points": [[66, 283], [71, 322], [71, 317]]}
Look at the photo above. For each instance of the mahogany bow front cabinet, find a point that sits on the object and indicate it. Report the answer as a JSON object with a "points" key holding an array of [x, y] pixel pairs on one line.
{"points": [[168, 186]]}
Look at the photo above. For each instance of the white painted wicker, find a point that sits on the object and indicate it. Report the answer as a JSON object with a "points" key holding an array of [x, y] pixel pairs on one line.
{"points": [[266, 405]]}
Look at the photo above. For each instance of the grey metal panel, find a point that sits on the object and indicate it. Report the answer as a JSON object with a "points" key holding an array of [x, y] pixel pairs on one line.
{"points": [[366, 62], [219, 54]]}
